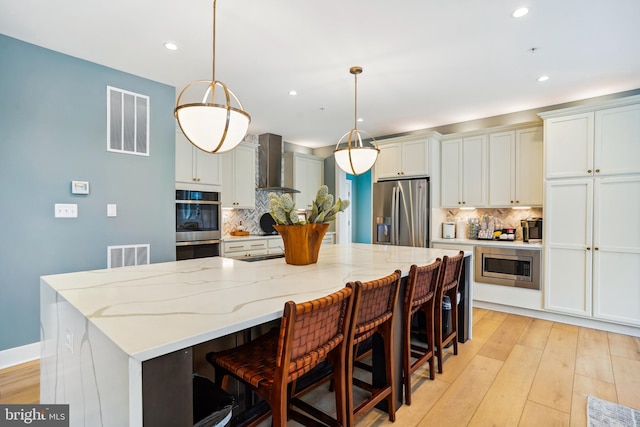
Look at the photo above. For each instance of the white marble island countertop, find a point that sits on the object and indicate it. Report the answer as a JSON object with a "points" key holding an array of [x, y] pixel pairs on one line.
{"points": [[152, 310]]}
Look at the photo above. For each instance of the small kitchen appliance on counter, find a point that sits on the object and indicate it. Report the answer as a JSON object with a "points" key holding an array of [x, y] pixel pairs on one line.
{"points": [[531, 230], [448, 230]]}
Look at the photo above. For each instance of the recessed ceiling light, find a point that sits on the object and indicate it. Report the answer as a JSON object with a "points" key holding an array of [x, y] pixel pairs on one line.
{"points": [[543, 78], [293, 93], [171, 46], [519, 13]]}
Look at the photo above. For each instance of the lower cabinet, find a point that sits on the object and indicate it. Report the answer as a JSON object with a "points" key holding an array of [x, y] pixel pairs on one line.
{"points": [[592, 254], [245, 248]]}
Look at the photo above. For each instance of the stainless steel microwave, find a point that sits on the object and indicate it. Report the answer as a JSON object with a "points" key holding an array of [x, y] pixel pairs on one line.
{"points": [[507, 266]]}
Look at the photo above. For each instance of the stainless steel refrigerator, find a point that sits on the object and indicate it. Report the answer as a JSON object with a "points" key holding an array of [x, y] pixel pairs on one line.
{"points": [[401, 212]]}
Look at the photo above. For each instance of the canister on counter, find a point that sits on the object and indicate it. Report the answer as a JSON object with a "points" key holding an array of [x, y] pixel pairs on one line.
{"points": [[461, 229]]}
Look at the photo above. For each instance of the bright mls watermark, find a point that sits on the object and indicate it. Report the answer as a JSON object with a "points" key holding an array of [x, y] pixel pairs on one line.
{"points": [[34, 415]]}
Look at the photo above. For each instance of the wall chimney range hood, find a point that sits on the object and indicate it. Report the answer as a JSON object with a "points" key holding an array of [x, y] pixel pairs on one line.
{"points": [[270, 164]]}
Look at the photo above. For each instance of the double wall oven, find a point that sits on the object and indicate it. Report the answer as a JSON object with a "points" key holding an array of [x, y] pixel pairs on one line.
{"points": [[198, 224]]}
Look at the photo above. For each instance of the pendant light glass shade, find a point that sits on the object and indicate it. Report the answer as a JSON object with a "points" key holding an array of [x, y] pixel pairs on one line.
{"points": [[216, 121], [355, 158], [352, 154]]}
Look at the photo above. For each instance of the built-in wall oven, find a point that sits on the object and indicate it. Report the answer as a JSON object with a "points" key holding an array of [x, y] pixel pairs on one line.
{"points": [[507, 266], [198, 224]]}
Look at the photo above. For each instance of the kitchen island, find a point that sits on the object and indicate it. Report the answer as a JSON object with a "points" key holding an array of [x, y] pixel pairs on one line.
{"points": [[116, 344]]}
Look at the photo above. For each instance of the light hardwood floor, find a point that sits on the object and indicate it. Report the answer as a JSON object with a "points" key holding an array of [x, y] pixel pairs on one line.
{"points": [[516, 371]]}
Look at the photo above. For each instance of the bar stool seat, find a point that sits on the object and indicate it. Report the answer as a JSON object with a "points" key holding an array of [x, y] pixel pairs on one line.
{"points": [[419, 297], [310, 333]]}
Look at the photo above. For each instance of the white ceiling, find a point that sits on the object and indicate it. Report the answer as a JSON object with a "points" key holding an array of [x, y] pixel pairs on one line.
{"points": [[426, 62]]}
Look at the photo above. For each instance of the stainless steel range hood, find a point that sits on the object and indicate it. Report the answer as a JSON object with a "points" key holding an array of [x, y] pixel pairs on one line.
{"points": [[270, 164]]}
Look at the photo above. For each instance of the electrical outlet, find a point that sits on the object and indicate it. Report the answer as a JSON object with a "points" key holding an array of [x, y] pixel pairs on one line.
{"points": [[68, 340], [66, 210]]}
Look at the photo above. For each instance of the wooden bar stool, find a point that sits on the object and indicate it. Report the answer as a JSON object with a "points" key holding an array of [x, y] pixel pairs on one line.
{"points": [[310, 333], [419, 296], [448, 285], [373, 307]]}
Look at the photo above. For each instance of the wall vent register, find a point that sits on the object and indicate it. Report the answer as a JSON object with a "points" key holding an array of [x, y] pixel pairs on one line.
{"points": [[124, 256], [127, 122]]}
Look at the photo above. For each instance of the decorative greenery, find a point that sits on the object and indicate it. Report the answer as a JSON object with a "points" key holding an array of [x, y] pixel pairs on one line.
{"points": [[283, 209]]}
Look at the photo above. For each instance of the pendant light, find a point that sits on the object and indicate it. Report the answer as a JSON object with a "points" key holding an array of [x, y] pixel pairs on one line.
{"points": [[216, 122], [355, 157]]}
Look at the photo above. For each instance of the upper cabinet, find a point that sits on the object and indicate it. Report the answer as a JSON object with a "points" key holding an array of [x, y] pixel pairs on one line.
{"points": [[239, 177], [463, 172], [592, 143], [194, 166], [305, 173], [402, 158], [515, 168]]}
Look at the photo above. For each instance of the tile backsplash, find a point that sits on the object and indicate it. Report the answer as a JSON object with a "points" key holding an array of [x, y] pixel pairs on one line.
{"points": [[507, 217]]}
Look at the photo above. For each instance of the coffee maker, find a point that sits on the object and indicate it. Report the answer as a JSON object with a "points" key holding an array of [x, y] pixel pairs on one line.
{"points": [[531, 230]]}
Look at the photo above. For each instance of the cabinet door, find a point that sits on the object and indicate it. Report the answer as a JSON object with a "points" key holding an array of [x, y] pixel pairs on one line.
{"points": [[617, 141], [567, 246], [502, 155], [239, 178], [415, 158], [473, 171], [309, 176], [528, 167], [616, 256], [245, 177], [389, 161], [207, 167], [569, 146], [450, 174], [184, 160]]}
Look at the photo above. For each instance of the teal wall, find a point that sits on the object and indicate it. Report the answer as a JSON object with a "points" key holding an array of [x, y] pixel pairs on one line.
{"points": [[361, 186], [53, 130]]}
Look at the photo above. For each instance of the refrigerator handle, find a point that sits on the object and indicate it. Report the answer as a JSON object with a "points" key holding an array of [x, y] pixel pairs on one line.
{"points": [[394, 216]]}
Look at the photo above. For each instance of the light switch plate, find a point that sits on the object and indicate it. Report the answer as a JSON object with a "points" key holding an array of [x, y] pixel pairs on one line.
{"points": [[63, 210], [112, 210]]}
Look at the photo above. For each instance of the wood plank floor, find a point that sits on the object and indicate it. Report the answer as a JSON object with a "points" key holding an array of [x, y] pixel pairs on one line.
{"points": [[516, 371]]}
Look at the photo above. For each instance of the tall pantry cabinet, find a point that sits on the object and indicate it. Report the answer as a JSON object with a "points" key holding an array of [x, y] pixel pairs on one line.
{"points": [[592, 201]]}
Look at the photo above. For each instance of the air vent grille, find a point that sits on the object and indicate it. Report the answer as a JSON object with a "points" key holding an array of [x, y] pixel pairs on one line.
{"points": [[127, 255], [127, 122]]}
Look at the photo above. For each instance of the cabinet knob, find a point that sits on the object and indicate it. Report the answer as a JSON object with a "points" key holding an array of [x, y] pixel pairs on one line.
{"points": [[512, 201], [517, 201], [597, 170], [459, 203], [588, 248], [463, 202], [588, 170], [596, 248]]}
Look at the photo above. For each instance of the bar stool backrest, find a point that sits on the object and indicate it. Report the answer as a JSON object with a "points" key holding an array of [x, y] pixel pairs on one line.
{"points": [[310, 330]]}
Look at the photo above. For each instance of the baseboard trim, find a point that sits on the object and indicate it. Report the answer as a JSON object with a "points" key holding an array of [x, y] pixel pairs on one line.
{"points": [[562, 318], [18, 355]]}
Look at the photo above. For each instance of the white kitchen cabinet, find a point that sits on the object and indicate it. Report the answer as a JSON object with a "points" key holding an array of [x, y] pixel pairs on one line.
{"points": [[592, 255], [403, 158], [239, 177], [515, 168], [592, 143], [329, 239], [305, 173], [275, 245], [463, 172], [194, 166], [245, 248]]}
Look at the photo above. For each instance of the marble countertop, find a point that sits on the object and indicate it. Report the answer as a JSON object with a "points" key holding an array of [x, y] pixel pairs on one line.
{"points": [[519, 244], [152, 310]]}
